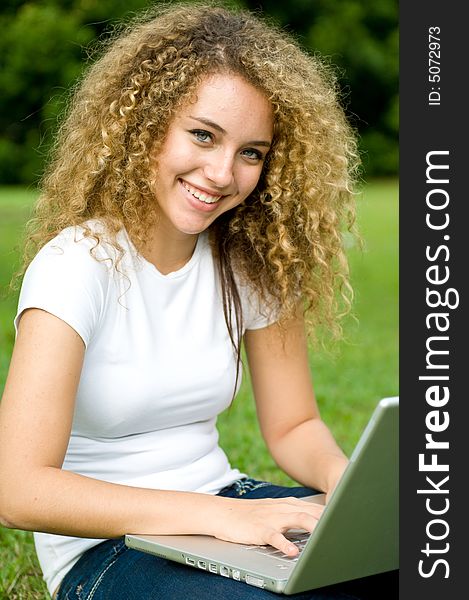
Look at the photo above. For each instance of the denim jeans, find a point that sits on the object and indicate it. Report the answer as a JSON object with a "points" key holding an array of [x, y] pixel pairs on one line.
{"points": [[111, 571]]}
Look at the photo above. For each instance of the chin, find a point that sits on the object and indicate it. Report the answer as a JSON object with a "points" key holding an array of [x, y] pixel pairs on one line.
{"points": [[194, 228]]}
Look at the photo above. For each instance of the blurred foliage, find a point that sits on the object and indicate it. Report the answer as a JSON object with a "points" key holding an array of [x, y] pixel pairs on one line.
{"points": [[44, 48]]}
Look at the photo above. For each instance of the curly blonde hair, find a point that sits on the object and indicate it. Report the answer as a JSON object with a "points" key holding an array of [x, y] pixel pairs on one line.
{"points": [[285, 240]]}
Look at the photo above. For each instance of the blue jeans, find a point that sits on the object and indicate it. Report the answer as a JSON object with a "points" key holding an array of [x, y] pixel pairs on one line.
{"points": [[111, 571]]}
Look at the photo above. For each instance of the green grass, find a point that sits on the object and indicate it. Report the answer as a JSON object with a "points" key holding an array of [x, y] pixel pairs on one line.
{"points": [[15, 205], [348, 380]]}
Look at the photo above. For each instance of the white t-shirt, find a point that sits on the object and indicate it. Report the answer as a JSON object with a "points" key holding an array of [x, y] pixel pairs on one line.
{"points": [[159, 367]]}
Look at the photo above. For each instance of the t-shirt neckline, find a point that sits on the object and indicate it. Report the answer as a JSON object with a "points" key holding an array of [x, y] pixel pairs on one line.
{"points": [[151, 268]]}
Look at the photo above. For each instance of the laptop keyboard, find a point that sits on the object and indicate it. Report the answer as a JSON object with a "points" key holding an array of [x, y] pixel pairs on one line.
{"points": [[299, 539]]}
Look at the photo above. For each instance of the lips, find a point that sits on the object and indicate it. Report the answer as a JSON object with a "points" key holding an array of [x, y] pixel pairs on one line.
{"points": [[202, 195]]}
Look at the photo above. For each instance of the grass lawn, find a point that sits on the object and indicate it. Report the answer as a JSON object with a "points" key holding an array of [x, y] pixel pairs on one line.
{"points": [[348, 380]]}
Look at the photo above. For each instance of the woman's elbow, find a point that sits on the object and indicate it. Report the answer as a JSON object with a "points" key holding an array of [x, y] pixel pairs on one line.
{"points": [[7, 518], [5, 522], [10, 509]]}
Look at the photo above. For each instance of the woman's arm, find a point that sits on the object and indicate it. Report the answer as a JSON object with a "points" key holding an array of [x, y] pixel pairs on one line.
{"points": [[36, 415], [297, 438]]}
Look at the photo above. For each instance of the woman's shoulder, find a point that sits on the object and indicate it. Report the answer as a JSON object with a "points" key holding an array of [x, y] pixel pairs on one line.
{"points": [[88, 243], [91, 235], [258, 307], [70, 277], [80, 251]]}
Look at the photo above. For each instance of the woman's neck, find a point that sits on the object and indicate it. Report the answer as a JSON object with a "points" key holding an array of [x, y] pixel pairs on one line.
{"points": [[167, 250]]}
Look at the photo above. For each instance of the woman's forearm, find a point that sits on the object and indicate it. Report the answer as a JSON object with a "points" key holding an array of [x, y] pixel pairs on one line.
{"points": [[57, 501], [309, 454]]}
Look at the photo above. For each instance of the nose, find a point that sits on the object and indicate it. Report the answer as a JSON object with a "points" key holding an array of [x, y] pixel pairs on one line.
{"points": [[219, 169]]}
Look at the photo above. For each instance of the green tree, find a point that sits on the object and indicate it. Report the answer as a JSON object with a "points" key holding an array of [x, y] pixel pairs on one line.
{"points": [[43, 50], [45, 44], [361, 38]]}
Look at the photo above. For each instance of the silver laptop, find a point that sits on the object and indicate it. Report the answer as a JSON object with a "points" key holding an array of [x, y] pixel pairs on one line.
{"points": [[357, 534]]}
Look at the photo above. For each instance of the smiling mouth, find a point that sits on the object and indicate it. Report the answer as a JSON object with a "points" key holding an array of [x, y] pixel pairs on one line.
{"points": [[202, 196]]}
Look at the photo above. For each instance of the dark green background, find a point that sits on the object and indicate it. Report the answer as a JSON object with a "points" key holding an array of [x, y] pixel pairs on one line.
{"points": [[45, 44]]}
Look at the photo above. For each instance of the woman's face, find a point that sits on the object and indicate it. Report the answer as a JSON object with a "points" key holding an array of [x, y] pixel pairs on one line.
{"points": [[213, 153]]}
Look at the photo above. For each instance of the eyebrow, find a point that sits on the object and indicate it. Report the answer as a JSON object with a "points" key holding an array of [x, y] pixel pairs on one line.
{"points": [[220, 129]]}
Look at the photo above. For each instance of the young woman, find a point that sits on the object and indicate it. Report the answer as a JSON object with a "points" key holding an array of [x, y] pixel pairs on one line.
{"points": [[195, 199]]}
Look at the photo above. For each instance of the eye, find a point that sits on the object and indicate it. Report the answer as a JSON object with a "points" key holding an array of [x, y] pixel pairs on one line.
{"points": [[201, 135], [253, 154]]}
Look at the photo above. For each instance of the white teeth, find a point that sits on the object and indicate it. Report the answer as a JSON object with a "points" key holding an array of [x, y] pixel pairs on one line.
{"points": [[200, 195]]}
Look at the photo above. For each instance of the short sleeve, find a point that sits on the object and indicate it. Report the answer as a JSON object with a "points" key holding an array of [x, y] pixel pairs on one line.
{"points": [[256, 314], [68, 281]]}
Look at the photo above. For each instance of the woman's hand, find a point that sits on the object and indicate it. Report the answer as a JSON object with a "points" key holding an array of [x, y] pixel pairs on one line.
{"points": [[264, 521]]}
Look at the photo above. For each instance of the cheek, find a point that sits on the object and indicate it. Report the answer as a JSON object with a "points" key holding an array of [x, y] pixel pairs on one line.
{"points": [[174, 153], [251, 180]]}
